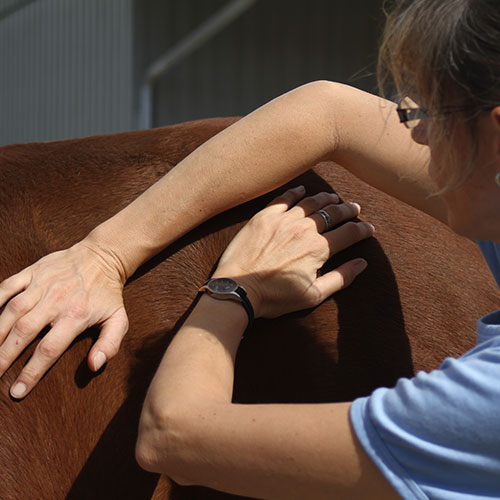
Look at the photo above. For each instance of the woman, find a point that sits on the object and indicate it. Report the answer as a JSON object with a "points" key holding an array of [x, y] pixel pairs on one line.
{"points": [[434, 436]]}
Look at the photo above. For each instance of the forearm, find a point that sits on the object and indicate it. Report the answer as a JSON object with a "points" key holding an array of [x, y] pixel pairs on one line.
{"points": [[258, 153], [196, 372], [272, 145], [189, 427], [191, 431]]}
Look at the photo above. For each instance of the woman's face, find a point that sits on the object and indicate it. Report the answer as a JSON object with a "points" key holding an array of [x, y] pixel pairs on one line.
{"points": [[474, 206]]}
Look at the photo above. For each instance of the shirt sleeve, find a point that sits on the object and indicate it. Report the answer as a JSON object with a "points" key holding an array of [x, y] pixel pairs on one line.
{"points": [[438, 435]]}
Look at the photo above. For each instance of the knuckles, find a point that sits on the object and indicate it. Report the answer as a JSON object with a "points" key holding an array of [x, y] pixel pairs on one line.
{"points": [[356, 229], [4, 362], [296, 232], [19, 305], [126, 324], [24, 328], [5, 285], [48, 348], [306, 227], [314, 297], [112, 348]]}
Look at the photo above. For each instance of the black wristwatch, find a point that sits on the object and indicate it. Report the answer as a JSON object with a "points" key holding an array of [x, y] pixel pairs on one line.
{"points": [[228, 289]]}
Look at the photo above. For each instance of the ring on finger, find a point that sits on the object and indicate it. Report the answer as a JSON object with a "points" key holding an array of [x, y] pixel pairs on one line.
{"points": [[326, 217]]}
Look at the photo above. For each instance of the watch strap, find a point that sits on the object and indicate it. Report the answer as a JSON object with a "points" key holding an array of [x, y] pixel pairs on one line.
{"points": [[245, 302], [239, 294]]}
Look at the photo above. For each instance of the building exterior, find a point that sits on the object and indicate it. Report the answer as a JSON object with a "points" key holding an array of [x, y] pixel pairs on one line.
{"points": [[72, 68]]}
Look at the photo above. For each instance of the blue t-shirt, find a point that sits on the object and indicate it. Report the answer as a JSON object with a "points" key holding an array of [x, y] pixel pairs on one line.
{"points": [[437, 435]]}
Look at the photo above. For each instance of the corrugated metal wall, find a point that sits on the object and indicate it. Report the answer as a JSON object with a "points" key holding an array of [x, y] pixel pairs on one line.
{"points": [[71, 68], [65, 69], [275, 46]]}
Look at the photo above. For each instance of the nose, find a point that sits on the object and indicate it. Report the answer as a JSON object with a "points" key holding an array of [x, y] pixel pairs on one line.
{"points": [[419, 133]]}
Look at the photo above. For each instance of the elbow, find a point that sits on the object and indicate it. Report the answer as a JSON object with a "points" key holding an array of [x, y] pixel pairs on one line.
{"points": [[325, 88], [161, 444], [145, 453], [152, 440], [328, 103]]}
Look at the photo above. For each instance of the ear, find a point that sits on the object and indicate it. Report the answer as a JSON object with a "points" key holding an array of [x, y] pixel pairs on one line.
{"points": [[495, 118], [495, 115]]}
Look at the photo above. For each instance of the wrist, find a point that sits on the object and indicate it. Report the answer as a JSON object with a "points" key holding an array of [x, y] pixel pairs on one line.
{"points": [[227, 289], [246, 282], [105, 254], [223, 318]]}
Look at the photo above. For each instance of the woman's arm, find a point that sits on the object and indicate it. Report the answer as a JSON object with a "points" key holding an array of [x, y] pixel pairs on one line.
{"points": [[264, 150], [192, 432], [320, 121], [189, 428]]}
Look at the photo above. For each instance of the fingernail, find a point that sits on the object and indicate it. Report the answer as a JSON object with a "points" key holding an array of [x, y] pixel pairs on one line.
{"points": [[356, 205], [300, 188], [334, 196], [360, 266], [372, 226], [99, 360], [18, 390]]}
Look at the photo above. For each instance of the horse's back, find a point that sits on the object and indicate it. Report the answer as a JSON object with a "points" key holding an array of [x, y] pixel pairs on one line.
{"points": [[74, 435]]}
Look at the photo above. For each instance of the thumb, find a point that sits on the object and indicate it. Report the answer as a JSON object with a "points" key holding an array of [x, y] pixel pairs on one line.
{"points": [[107, 345]]}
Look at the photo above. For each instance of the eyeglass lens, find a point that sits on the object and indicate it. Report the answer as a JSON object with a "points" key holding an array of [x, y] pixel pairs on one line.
{"points": [[409, 113]]}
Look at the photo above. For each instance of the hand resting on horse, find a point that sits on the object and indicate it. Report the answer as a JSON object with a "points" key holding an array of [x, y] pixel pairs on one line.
{"points": [[278, 254], [70, 290]]}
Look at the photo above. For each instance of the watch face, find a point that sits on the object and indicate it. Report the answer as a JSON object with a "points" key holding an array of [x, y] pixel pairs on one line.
{"points": [[223, 285]]}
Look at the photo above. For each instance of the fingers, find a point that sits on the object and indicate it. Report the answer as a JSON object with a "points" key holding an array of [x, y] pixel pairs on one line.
{"points": [[336, 213], [69, 290], [292, 202], [13, 285], [348, 234], [55, 343], [47, 352], [17, 307], [286, 200], [339, 278], [311, 204], [20, 336], [108, 343]]}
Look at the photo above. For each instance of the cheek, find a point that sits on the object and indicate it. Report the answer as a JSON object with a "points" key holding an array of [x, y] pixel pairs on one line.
{"points": [[420, 133]]}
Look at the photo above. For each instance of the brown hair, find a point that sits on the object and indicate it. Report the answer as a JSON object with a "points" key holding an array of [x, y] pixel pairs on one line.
{"points": [[446, 54]]}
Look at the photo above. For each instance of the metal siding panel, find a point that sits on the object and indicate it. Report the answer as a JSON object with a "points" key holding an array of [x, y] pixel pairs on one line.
{"points": [[6, 4], [67, 70], [275, 46], [67, 64]]}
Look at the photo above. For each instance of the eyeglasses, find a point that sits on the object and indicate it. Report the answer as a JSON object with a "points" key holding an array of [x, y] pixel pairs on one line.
{"points": [[409, 113]]}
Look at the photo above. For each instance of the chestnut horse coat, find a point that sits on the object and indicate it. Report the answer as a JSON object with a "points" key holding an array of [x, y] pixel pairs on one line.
{"points": [[73, 437]]}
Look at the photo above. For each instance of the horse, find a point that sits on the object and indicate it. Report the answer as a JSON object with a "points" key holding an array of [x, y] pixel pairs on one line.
{"points": [[74, 436]]}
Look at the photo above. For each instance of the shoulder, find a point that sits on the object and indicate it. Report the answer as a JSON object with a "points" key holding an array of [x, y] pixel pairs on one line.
{"points": [[419, 432]]}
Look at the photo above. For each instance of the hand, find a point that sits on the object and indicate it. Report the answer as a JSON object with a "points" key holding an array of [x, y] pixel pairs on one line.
{"points": [[277, 255], [69, 290]]}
